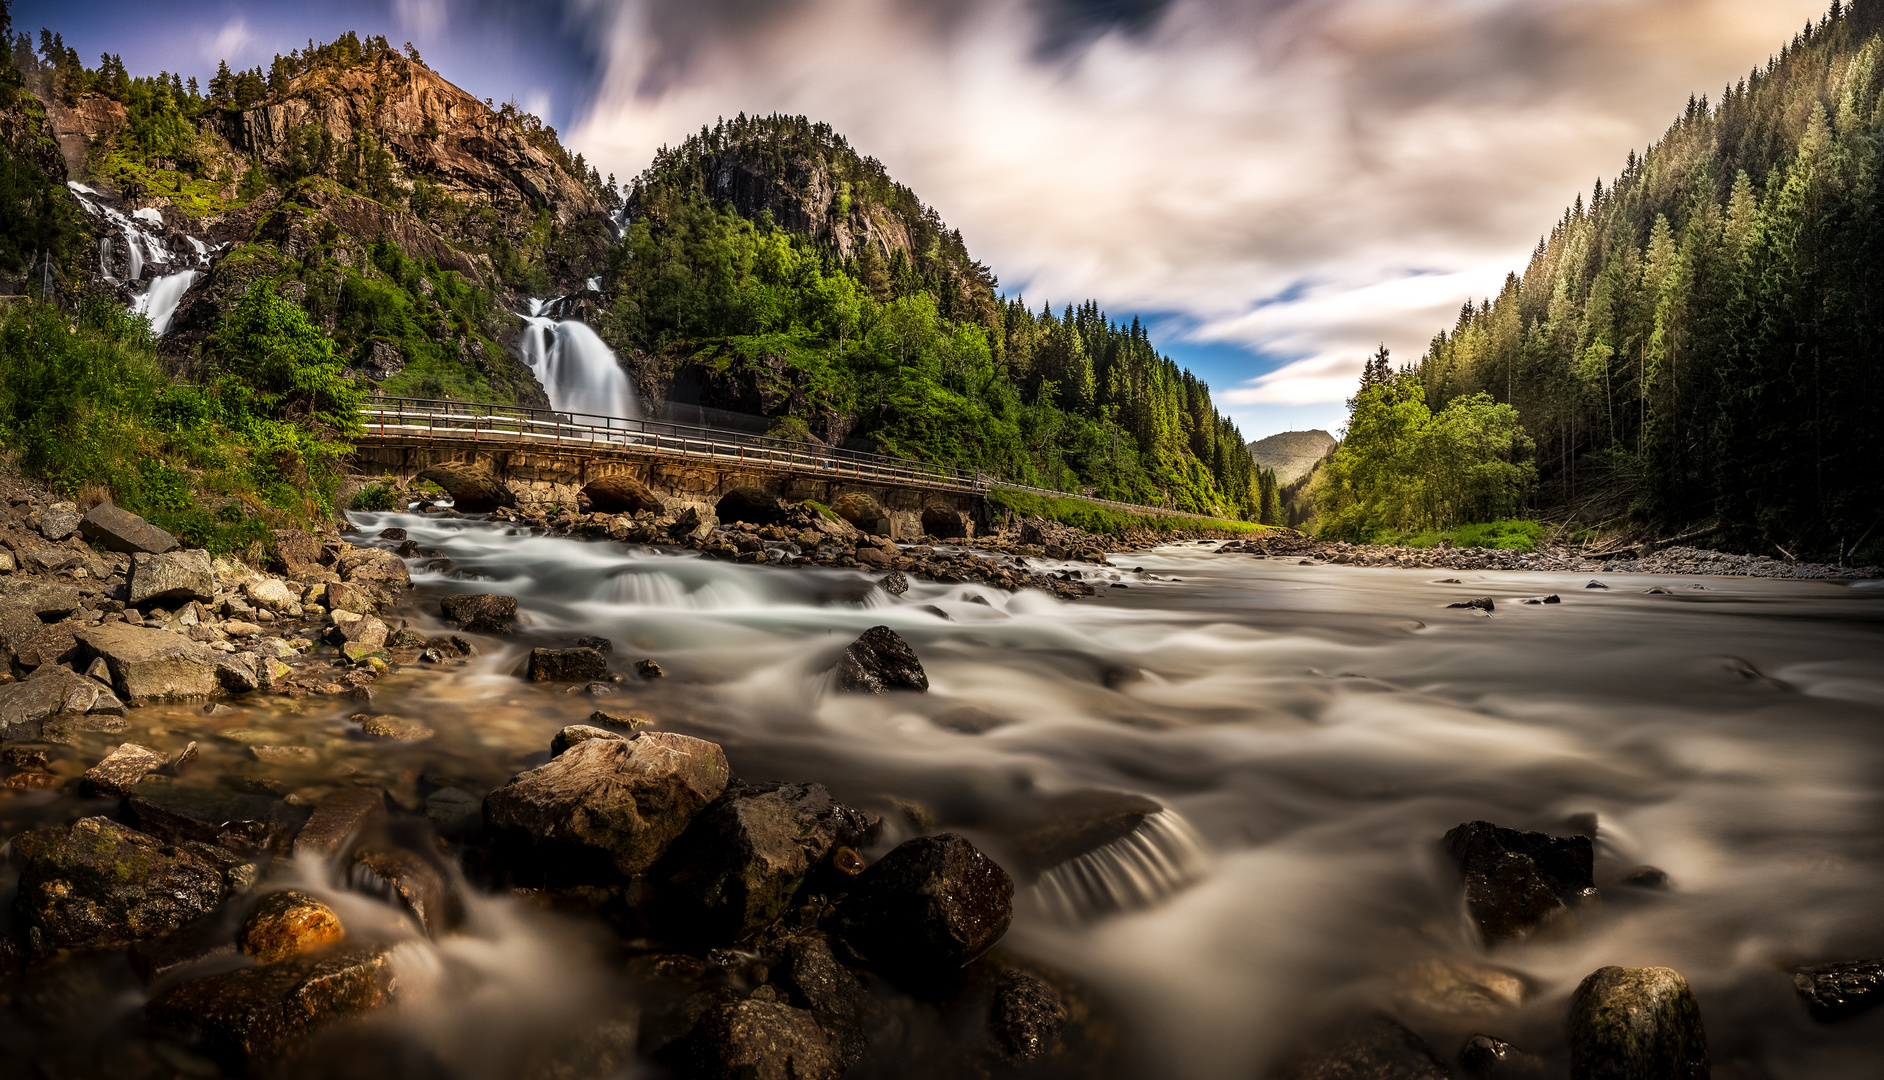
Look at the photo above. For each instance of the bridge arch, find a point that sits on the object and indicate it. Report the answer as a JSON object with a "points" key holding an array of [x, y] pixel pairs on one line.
{"points": [[473, 490], [863, 511], [945, 522], [621, 494], [750, 505]]}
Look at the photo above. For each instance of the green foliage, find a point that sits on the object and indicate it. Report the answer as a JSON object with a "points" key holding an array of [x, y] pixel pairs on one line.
{"points": [[1107, 520], [375, 497], [1403, 468], [1512, 535], [1699, 342]]}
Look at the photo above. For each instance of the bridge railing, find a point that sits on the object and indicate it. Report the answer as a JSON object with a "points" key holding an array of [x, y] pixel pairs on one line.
{"points": [[478, 422]]}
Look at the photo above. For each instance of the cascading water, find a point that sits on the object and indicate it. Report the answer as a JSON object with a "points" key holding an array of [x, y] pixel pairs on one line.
{"points": [[143, 247], [578, 371]]}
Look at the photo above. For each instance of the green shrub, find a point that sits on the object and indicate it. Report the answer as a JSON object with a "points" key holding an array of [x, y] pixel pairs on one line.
{"points": [[376, 498], [1511, 534], [1095, 518]]}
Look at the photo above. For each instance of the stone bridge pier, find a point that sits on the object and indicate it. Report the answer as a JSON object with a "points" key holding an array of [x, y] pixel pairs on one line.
{"points": [[531, 478]]}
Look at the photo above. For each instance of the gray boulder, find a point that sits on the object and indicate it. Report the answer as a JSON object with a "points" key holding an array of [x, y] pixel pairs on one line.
{"points": [[121, 530], [149, 665], [97, 882], [880, 661], [59, 521], [1636, 1024], [605, 809], [174, 575]]}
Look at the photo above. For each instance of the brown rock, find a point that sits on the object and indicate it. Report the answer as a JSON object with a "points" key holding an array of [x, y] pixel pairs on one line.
{"points": [[482, 613], [121, 530], [338, 819], [149, 665], [392, 728], [258, 1013], [288, 923], [403, 877], [577, 733], [100, 883], [120, 769]]}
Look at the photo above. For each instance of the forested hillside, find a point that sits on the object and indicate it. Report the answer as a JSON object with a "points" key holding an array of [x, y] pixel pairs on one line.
{"points": [[1697, 348], [769, 268]]}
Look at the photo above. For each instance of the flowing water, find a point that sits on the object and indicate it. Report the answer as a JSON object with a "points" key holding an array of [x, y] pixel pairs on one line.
{"points": [[1311, 732], [578, 370], [141, 232]]}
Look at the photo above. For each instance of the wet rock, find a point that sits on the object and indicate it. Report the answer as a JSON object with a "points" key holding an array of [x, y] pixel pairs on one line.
{"points": [[26, 707], [391, 728], [878, 662], [567, 665], [1836, 991], [1026, 1016], [1553, 598], [1370, 1048], [100, 883], [812, 979], [1451, 988], [1482, 603], [341, 596], [605, 808], [59, 521], [174, 575], [1057, 830], [372, 568], [578, 733], [599, 644], [928, 907], [183, 947], [737, 866], [895, 583], [340, 817], [392, 534], [454, 810], [482, 613], [120, 769], [405, 878], [1596, 585], [874, 557], [351, 629], [288, 923], [238, 821], [1485, 1058], [648, 669], [150, 665], [256, 1014], [1636, 1024], [1645, 877], [1516, 881], [632, 719], [969, 720], [761, 1040]]}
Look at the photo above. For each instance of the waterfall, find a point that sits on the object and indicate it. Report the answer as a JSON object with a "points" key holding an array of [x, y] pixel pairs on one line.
{"points": [[159, 302], [578, 372]]}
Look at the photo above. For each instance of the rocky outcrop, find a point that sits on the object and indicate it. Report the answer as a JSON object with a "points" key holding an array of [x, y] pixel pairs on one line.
{"points": [[255, 1014], [176, 575]]}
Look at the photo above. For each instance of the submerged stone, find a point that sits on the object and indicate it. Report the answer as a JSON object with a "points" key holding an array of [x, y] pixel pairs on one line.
{"points": [[481, 613], [256, 1014]]}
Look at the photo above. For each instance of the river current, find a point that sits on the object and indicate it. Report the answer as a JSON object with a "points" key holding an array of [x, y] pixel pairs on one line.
{"points": [[1312, 731]]}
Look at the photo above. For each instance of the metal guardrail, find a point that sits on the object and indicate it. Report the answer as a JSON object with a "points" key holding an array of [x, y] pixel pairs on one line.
{"points": [[477, 423]]}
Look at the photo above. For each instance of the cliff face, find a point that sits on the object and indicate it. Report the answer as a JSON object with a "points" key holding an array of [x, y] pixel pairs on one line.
{"points": [[434, 129]]}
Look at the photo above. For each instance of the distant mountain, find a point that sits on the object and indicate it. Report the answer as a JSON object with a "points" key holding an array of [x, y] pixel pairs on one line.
{"points": [[1291, 454]]}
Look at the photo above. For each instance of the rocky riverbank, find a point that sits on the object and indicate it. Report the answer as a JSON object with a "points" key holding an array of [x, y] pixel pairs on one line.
{"points": [[1284, 544]]}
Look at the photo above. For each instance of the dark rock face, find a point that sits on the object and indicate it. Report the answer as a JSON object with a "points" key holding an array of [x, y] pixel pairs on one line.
{"points": [[99, 883], [1515, 881], [1836, 991], [1482, 603], [896, 583], [240, 822], [1067, 826], [813, 979], [605, 809], [878, 662], [737, 866], [482, 613], [1372, 1048], [1485, 1058], [762, 1040], [567, 665], [257, 1013], [1636, 1024], [928, 907], [405, 878], [121, 530], [1026, 1016]]}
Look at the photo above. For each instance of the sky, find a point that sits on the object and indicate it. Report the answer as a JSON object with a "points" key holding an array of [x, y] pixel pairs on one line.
{"points": [[1276, 187]]}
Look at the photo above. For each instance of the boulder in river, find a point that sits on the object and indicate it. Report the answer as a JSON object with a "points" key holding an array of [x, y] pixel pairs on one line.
{"points": [[1485, 1058], [339, 819], [1516, 881], [1636, 1024], [1482, 603], [567, 665], [120, 769], [371, 567], [1836, 991], [255, 1014], [880, 661], [27, 707], [1026, 1016], [481, 613], [1366, 1048], [762, 1040], [173, 575], [243, 822], [605, 809], [120, 530], [97, 882], [288, 923], [928, 907], [737, 866], [149, 665]]}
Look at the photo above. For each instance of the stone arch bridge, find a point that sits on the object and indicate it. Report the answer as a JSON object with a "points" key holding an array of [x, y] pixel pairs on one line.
{"points": [[487, 456]]}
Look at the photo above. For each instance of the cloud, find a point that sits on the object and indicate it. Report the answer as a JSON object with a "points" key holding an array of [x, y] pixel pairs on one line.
{"points": [[1389, 159], [425, 20], [230, 41]]}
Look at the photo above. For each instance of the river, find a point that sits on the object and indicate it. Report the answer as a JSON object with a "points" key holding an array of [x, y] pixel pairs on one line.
{"points": [[1311, 730]]}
